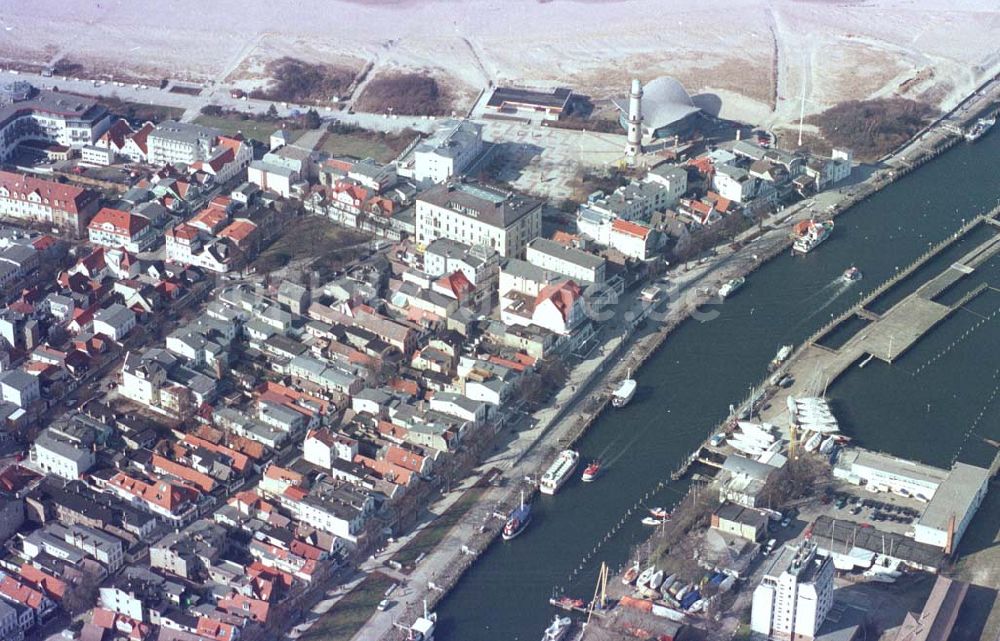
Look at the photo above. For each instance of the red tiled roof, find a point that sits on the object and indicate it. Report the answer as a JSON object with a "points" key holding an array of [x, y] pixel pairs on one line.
{"points": [[457, 284], [139, 137], [282, 474], [117, 133], [215, 630], [184, 232], [562, 295], [210, 219], [630, 228], [240, 461], [54, 587], [238, 230], [404, 458], [169, 496], [245, 606], [21, 592], [123, 223], [203, 482], [63, 197]]}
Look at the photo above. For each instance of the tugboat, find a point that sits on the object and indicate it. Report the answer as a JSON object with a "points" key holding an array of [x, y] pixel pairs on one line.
{"points": [[591, 472], [518, 520], [851, 274]]}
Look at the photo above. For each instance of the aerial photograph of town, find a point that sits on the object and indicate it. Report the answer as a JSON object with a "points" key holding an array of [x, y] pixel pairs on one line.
{"points": [[499, 320]]}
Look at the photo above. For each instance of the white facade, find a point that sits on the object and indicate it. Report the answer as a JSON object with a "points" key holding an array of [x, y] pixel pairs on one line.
{"points": [[9, 626], [179, 143], [733, 183], [502, 222], [97, 155], [19, 388], [272, 177], [115, 322], [631, 239], [448, 151], [567, 261], [794, 595], [54, 455], [70, 121]]}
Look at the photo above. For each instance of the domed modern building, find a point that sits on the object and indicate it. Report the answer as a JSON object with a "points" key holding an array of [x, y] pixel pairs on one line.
{"points": [[666, 108]]}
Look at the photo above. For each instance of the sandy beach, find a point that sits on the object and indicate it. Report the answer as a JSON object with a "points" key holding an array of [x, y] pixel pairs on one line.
{"points": [[764, 59]]}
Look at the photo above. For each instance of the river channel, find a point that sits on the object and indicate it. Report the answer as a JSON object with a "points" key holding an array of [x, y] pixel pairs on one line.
{"points": [[922, 407]]}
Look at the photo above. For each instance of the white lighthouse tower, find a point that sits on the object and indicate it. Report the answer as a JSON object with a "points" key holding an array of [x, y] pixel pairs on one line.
{"points": [[634, 145]]}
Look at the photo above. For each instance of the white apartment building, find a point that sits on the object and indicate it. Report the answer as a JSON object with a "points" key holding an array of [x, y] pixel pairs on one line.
{"points": [[475, 214], [29, 114], [794, 596], [54, 453], [176, 143], [46, 201], [448, 152], [581, 266]]}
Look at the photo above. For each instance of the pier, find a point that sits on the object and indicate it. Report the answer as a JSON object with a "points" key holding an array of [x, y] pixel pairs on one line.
{"points": [[888, 335]]}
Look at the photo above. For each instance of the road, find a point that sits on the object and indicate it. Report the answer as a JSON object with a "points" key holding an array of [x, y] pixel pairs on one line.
{"points": [[215, 95]]}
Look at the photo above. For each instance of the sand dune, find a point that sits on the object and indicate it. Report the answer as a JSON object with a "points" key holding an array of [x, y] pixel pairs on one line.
{"points": [[762, 58]]}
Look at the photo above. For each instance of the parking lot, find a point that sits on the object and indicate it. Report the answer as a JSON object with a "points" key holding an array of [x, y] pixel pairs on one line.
{"points": [[887, 512]]}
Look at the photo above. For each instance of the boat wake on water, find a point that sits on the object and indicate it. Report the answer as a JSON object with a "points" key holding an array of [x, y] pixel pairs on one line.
{"points": [[838, 286]]}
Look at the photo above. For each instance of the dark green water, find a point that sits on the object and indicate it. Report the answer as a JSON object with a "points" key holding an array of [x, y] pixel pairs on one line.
{"points": [[687, 387]]}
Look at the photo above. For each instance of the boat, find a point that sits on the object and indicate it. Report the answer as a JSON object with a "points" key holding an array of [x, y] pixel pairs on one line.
{"points": [[659, 513], [656, 580], [624, 393], [783, 353], [730, 286], [827, 445], [558, 629], [810, 233], [568, 603], [667, 582], [851, 274], [979, 129], [813, 442], [653, 521], [517, 521], [591, 471], [630, 575], [559, 471], [643, 579]]}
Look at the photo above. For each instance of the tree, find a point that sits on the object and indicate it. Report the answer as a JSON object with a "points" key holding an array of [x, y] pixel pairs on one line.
{"points": [[272, 111], [312, 120], [82, 596]]}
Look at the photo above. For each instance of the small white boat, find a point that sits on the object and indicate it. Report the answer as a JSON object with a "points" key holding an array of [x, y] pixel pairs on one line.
{"points": [[827, 445], [730, 286], [557, 631], [647, 574], [682, 592], [851, 274], [624, 392], [659, 513], [813, 442], [652, 521], [667, 582], [783, 353], [630, 575], [656, 580]]}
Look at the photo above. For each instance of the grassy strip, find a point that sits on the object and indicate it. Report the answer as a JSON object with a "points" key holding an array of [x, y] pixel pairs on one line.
{"points": [[427, 539], [349, 614], [257, 129], [308, 237]]}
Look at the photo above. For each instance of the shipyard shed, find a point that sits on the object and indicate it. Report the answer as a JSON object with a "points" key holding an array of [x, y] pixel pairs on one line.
{"points": [[847, 536], [951, 509]]}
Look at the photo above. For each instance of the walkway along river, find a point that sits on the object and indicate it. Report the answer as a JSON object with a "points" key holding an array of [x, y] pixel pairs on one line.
{"points": [[688, 385]]}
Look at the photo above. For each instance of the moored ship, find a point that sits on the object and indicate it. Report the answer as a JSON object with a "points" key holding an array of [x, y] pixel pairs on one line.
{"points": [[624, 392], [557, 631], [979, 129], [730, 286], [810, 233], [518, 520], [783, 353], [559, 471]]}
